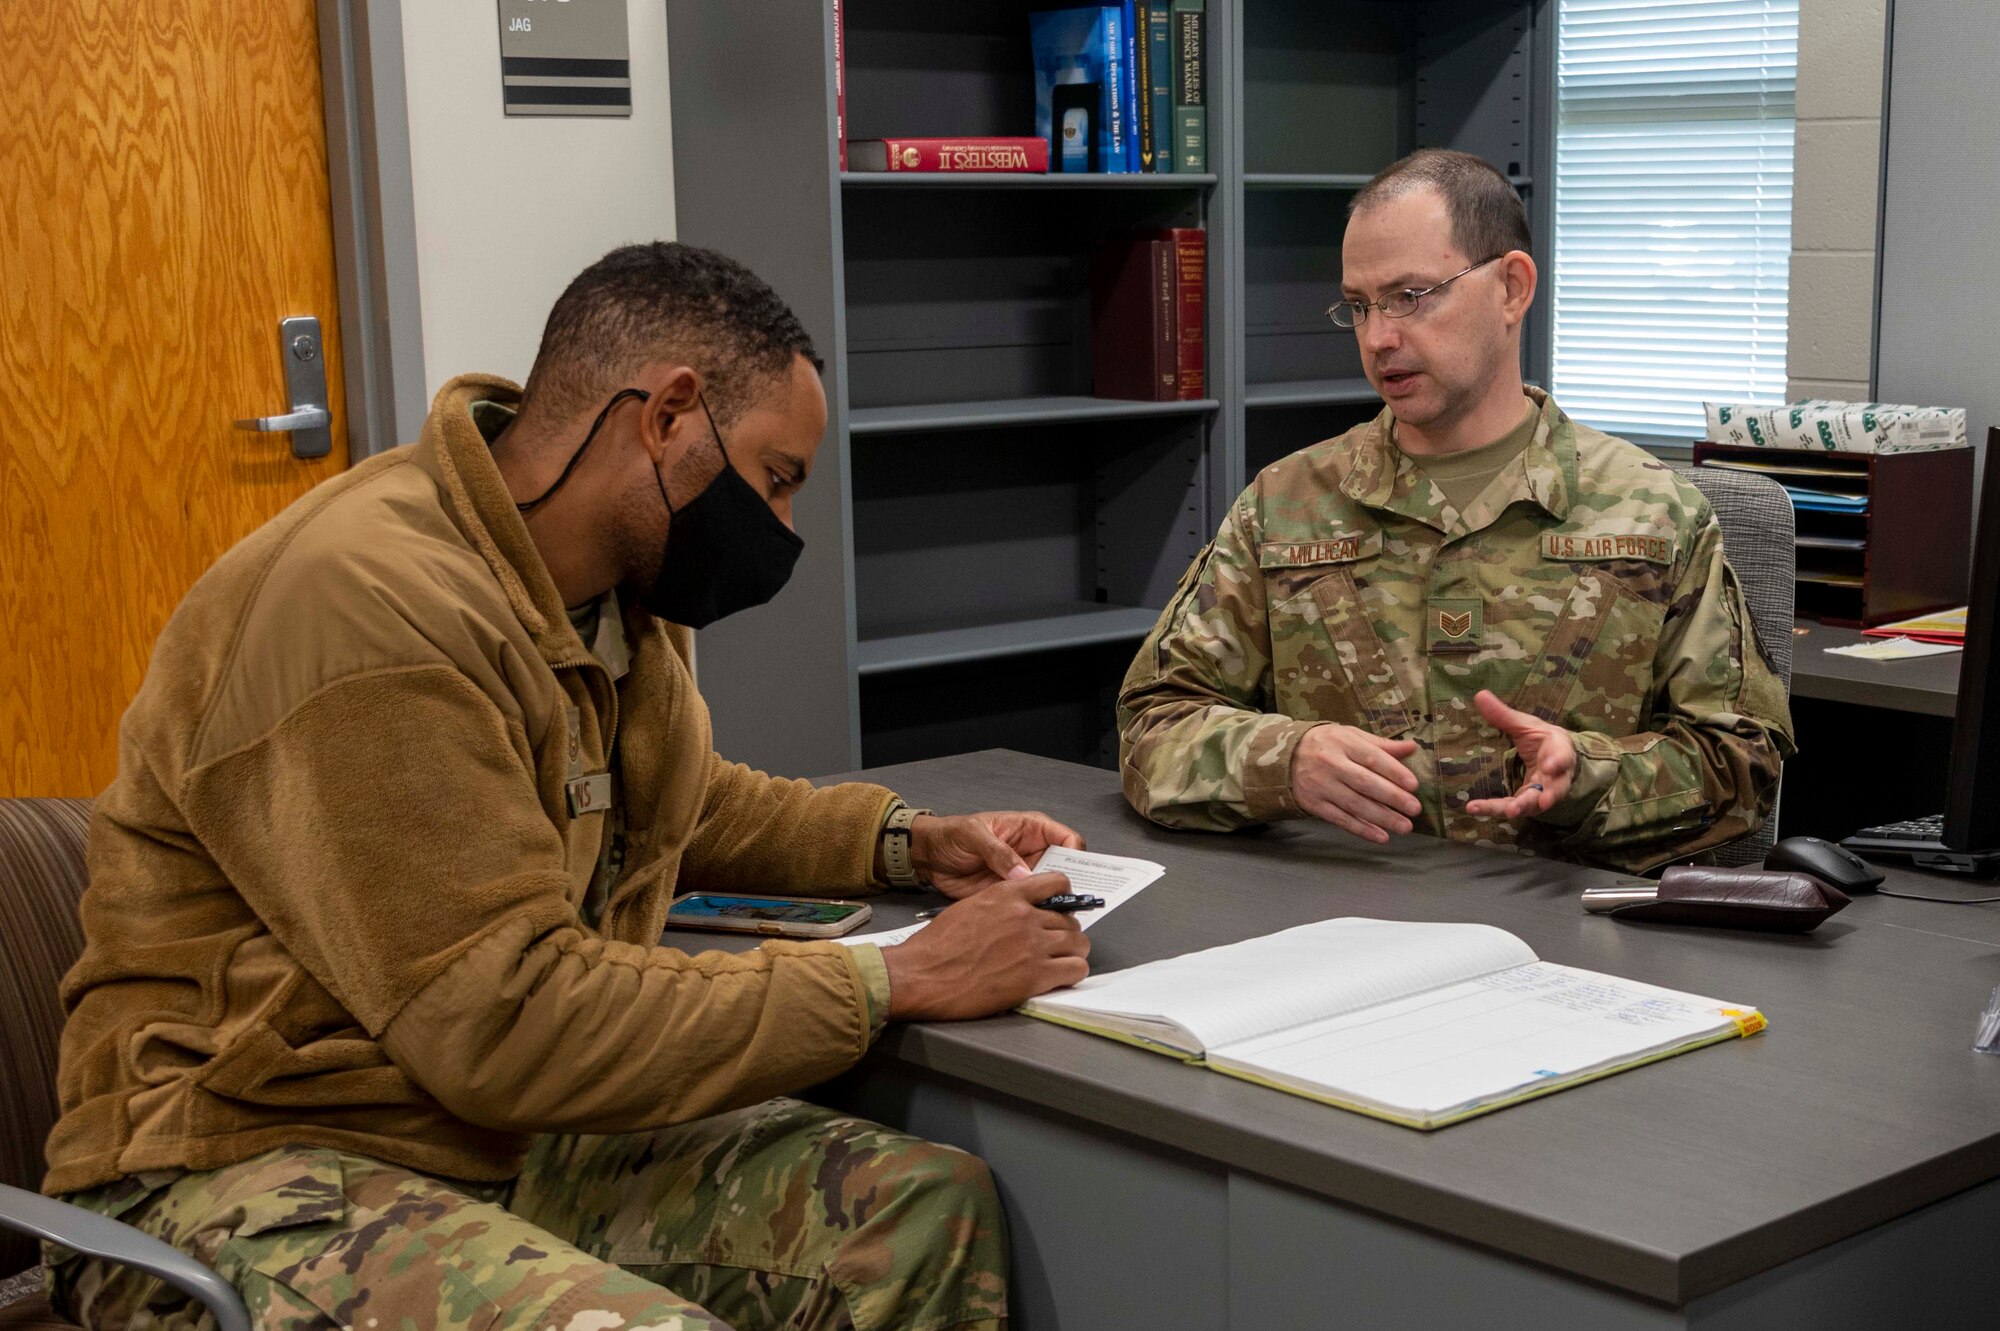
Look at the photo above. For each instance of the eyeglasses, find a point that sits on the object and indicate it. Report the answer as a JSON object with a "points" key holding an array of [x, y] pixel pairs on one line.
{"points": [[1397, 304]]}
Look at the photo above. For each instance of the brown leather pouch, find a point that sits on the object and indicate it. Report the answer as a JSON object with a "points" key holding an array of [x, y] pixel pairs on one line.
{"points": [[1781, 902]]}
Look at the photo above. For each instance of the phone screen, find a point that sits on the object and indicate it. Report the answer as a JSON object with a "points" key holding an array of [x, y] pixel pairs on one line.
{"points": [[705, 907]]}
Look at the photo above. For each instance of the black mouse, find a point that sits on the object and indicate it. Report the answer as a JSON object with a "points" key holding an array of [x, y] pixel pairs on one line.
{"points": [[1833, 865]]}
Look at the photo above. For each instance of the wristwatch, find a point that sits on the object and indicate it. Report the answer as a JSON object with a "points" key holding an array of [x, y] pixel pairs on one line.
{"points": [[897, 867]]}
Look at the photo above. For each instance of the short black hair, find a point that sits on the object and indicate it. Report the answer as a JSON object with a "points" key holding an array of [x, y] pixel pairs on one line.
{"points": [[640, 303], [1487, 219]]}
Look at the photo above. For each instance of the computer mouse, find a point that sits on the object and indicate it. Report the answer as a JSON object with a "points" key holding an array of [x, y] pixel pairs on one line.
{"points": [[1834, 865]]}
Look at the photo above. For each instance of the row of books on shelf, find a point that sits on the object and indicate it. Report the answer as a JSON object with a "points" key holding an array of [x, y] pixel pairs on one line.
{"points": [[1147, 339], [1119, 89]]}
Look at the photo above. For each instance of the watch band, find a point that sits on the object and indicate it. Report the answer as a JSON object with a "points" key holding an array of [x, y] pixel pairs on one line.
{"points": [[897, 868]]}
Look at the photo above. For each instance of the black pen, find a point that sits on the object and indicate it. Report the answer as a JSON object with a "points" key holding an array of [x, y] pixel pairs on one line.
{"points": [[1067, 902]]}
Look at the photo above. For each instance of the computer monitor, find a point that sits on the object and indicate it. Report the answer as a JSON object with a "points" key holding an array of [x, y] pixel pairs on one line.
{"points": [[1966, 837], [1972, 800]]}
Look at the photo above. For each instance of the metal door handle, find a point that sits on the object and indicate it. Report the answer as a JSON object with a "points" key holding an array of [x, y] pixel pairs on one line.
{"points": [[305, 418], [308, 421]]}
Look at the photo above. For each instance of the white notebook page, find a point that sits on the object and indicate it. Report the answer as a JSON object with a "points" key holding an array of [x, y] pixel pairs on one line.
{"points": [[1281, 980], [1479, 1040]]}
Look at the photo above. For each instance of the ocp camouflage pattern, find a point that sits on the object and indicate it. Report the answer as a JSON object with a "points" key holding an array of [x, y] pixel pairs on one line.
{"points": [[1586, 585], [780, 1215]]}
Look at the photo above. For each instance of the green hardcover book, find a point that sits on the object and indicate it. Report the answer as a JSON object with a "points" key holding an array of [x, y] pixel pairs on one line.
{"points": [[1190, 86], [1157, 30]]}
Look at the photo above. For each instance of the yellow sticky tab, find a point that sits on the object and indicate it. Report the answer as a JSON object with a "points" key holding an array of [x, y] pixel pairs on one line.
{"points": [[1747, 1023]]}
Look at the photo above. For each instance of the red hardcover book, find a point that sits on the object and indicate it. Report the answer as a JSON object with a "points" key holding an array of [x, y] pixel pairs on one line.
{"points": [[1030, 156], [1190, 300], [1132, 328], [840, 84]]}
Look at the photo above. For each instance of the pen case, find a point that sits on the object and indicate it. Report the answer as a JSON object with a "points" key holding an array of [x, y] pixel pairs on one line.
{"points": [[1780, 902]]}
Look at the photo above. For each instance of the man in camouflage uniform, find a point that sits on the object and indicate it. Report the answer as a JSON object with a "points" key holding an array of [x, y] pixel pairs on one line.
{"points": [[1471, 616]]}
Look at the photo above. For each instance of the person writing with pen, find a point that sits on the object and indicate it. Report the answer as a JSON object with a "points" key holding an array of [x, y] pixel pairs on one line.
{"points": [[372, 1015]]}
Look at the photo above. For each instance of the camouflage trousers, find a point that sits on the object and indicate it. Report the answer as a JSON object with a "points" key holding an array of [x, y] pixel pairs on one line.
{"points": [[780, 1215]]}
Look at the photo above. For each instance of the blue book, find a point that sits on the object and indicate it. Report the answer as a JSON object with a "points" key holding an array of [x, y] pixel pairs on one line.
{"points": [[1082, 69]]}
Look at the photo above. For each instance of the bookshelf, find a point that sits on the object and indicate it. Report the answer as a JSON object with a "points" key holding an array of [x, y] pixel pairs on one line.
{"points": [[986, 543]]}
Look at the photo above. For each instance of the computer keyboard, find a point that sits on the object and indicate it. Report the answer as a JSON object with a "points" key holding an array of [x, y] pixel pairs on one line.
{"points": [[1912, 829]]}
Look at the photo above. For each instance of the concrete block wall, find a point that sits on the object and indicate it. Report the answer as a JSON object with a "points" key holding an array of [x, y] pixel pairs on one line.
{"points": [[1836, 192]]}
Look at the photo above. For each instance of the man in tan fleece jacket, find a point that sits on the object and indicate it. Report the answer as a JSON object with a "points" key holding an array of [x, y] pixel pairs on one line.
{"points": [[372, 1016]]}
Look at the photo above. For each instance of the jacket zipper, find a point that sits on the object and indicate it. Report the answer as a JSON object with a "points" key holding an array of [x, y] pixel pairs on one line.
{"points": [[611, 729]]}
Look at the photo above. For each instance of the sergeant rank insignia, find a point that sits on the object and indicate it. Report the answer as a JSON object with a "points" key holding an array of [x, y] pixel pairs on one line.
{"points": [[1453, 626]]}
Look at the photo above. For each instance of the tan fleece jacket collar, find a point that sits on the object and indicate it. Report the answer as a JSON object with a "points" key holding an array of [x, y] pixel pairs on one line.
{"points": [[453, 450]]}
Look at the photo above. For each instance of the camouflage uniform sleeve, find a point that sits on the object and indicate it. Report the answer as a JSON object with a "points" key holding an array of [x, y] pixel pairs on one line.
{"points": [[1198, 747], [1706, 773]]}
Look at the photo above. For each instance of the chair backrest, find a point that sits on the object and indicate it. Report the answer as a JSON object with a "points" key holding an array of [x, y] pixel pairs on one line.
{"points": [[41, 879], [1759, 536]]}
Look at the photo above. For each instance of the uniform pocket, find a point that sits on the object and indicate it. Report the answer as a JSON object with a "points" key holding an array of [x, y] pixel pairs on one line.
{"points": [[290, 1198], [1151, 661], [407, 1251], [1596, 670], [261, 1068], [1328, 662]]}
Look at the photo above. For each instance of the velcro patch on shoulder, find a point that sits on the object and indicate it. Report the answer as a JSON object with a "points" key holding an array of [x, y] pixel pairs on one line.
{"points": [[1340, 549], [1647, 546]]}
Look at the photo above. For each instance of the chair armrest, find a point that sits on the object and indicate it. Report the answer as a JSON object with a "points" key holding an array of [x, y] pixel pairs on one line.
{"points": [[97, 1236]]}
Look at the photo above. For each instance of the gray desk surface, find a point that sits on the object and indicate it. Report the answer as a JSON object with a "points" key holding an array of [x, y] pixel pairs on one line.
{"points": [[1861, 1103], [1927, 684]]}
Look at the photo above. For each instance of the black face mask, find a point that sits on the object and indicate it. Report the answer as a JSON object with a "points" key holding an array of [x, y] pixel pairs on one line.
{"points": [[726, 550]]}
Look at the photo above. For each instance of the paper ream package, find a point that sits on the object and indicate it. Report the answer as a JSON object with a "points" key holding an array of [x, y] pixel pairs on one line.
{"points": [[1837, 427]]}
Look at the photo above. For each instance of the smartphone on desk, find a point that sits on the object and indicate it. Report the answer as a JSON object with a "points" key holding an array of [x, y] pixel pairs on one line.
{"points": [[774, 917]]}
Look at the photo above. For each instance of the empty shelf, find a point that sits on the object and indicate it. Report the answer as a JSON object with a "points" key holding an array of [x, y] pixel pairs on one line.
{"points": [[1309, 392], [1330, 180], [1083, 624], [1010, 411]]}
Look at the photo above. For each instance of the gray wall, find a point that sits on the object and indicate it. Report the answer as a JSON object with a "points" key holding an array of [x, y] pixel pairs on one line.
{"points": [[1939, 340], [509, 209]]}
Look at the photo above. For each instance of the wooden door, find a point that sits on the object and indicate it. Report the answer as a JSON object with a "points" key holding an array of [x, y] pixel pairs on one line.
{"points": [[163, 204]]}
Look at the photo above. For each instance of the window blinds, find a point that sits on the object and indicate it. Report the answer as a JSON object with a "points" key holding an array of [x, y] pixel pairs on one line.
{"points": [[1673, 208]]}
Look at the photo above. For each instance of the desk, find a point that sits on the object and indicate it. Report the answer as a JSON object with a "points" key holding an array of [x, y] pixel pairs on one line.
{"points": [[1836, 1171], [1874, 736], [1927, 685]]}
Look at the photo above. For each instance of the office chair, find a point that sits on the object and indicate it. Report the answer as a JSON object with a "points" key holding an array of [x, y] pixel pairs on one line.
{"points": [[1758, 534], [41, 880]]}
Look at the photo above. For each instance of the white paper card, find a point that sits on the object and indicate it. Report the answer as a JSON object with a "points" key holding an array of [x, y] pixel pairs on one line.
{"points": [[1894, 649], [1116, 878]]}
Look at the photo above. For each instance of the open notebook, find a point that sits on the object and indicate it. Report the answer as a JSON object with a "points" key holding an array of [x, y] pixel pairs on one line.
{"points": [[1420, 1024]]}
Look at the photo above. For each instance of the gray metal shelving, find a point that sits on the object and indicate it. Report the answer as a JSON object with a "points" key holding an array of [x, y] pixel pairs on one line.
{"points": [[925, 416], [1310, 393], [1013, 180], [985, 540], [1081, 624]]}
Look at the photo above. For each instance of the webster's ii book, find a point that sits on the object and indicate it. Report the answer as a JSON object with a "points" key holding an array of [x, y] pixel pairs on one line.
{"points": [[1027, 156]]}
